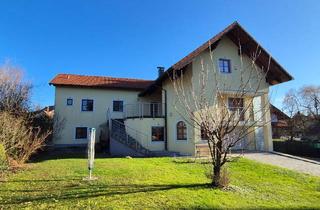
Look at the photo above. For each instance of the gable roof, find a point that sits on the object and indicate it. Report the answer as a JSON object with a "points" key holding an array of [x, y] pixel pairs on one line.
{"points": [[276, 74], [99, 82], [280, 114]]}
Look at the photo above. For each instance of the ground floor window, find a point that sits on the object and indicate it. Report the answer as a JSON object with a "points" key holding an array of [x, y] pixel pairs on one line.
{"points": [[81, 132], [157, 133], [181, 131]]}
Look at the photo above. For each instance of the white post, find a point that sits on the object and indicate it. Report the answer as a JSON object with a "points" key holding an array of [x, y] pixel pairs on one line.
{"points": [[91, 144]]}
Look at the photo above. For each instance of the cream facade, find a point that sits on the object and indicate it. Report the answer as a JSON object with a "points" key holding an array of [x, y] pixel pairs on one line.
{"points": [[73, 116], [149, 116]]}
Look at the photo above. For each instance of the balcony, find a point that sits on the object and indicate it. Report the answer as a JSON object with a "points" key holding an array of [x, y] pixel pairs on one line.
{"points": [[144, 110]]}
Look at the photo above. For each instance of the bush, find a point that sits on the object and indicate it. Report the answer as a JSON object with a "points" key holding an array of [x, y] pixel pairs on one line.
{"points": [[20, 140], [3, 158]]}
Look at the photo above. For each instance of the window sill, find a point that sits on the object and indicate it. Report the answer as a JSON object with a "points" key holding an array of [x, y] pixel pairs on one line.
{"points": [[181, 141], [156, 142]]}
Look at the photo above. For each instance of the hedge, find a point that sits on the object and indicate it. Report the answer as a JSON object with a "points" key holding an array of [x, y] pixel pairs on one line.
{"points": [[298, 148]]}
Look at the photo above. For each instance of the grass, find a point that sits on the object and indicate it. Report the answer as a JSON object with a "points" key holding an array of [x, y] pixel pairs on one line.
{"points": [[141, 183]]}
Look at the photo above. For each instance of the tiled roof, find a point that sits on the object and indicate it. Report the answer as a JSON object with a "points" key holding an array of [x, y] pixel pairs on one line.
{"points": [[99, 82]]}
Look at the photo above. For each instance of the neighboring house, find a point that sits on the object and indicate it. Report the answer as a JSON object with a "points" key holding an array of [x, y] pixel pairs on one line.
{"points": [[279, 122], [147, 119], [47, 111]]}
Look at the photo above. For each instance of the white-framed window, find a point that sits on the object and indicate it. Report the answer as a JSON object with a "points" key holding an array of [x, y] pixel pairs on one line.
{"points": [[117, 106], [225, 65], [69, 101], [81, 133], [87, 105], [236, 105], [181, 131]]}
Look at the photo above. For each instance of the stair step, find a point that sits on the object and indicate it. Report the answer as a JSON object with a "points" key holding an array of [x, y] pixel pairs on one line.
{"points": [[118, 132]]}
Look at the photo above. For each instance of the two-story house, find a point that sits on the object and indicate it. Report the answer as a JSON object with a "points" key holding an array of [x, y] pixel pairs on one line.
{"points": [[140, 115]]}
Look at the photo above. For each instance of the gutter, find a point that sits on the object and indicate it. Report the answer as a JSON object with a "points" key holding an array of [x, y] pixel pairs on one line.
{"points": [[165, 120]]}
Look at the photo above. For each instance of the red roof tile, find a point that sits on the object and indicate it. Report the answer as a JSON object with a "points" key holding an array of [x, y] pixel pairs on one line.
{"points": [[99, 82]]}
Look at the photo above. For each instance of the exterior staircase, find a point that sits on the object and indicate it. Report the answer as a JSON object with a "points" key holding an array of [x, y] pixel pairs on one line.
{"points": [[119, 133]]}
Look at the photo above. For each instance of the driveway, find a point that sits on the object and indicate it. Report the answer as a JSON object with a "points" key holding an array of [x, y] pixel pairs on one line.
{"points": [[286, 161]]}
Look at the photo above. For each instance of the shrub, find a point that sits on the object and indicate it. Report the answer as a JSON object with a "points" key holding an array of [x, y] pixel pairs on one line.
{"points": [[20, 140], [3, 158]]}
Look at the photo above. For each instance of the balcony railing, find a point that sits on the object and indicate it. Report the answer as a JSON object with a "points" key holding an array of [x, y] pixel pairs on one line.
{"points": [[144, 110]]}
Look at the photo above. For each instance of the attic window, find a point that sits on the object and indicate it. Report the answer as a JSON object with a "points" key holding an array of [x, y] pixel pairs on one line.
{"points": [[225, 65]]}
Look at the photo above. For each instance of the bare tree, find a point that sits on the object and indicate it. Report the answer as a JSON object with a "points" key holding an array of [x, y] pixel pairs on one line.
{"points": [[225, 111], [310, 101], [296, 121], [303, 108], [14, 92], [22, 133]]}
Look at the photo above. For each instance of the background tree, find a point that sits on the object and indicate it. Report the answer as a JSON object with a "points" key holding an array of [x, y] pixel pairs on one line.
{"points": [[201, 101], [303, 108], [20, 135], [14, 92], [296, 121], [310, 101]]}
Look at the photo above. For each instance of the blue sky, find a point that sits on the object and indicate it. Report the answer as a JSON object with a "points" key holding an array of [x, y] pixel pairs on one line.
{"points": [[131, 38]]}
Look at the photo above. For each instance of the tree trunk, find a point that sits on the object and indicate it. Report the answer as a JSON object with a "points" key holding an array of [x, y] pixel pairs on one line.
{"points": [[217, 165], [216, 175]]}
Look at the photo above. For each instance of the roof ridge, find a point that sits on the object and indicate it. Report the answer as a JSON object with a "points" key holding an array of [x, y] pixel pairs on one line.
{"points": [[109, 77]]}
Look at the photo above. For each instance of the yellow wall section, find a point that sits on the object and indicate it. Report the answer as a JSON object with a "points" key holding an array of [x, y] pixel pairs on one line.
{"points": [[225, 49], [74, 117]]}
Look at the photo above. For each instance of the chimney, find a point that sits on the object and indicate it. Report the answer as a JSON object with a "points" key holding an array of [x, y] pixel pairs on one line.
{"points": [[160, 70]]}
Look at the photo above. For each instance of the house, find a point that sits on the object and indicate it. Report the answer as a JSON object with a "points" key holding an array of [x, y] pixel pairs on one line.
{"points": [[279, 122], [139, 115]]}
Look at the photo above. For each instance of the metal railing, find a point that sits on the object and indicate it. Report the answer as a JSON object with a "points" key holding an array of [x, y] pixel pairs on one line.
{"points": [[131, 137], [141, 110]]}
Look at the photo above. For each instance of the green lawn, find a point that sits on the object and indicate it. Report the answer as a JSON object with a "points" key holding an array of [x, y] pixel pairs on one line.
{"points": [[155, 183]]}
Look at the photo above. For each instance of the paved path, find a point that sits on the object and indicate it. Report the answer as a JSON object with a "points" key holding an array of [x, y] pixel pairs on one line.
{"points": [[286, 161]]}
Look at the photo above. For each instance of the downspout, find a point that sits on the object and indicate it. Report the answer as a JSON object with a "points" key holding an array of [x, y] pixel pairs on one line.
{"points": [[165, 117], [165, 120]]}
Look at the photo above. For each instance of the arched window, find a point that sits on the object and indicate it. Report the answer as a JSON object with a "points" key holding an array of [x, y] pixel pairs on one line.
{"points": [[181, 131]]}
